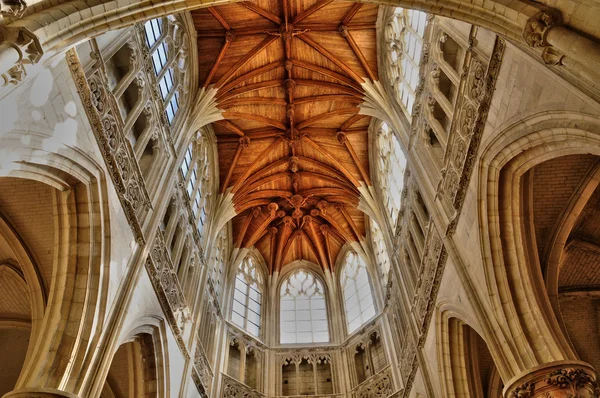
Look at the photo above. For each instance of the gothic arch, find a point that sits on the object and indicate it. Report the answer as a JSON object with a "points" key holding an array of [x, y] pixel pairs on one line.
{"points": [[508, 263], [66, 333], [466, 363]]}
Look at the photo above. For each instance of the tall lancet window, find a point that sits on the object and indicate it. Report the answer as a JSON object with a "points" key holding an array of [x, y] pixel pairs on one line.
{"points": [[165, 57], [358, 295], [195, 170], [381, 253], [247, 297], [303, 316], [392, 164], [404, 35], [220, 257]]}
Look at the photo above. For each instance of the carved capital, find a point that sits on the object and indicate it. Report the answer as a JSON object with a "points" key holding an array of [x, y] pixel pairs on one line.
{"points": [[19, 48], [537, 27], [244, 142], [562, 379], [552, 57], [343, 29], [12, 8]]}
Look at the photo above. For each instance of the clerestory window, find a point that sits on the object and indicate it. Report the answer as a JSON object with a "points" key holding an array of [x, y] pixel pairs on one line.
{"points": [[247, 298], [303, 315], [381, 253], [358, 295], [195, 170], [164, 63], [404, 33], [391, 165]]}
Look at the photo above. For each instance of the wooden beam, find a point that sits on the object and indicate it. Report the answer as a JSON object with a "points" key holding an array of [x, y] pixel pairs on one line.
{"points": [[257, 118], [324, 116], [359, 54], [261, 228], [286, 249], [327, 54], [251, 101], [219, 17], [273, 231], [327, 72], [242, 233], [247, 58], [236, 156], [329, 85], [246, 76], [349, 220], [333, 160], [257, 134], [328, 97], [325, 231], [325, 168], [363, 172], [261, 11], [231, 127], [319, 244], [250, 87], [268, 179], [267, 193], [351, 13], [218, 60], [260, 158], [329, 27], [287, 225], [311, 245], [351, 121], [311, 10]]}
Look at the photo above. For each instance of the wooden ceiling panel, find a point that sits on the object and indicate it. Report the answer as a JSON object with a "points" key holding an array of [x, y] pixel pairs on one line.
{"points": [[292, 148]]}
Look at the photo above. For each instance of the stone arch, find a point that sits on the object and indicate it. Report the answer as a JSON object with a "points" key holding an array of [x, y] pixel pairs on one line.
{"points": [[144, 351], [71, 318], [466, 362], [530, 328]]}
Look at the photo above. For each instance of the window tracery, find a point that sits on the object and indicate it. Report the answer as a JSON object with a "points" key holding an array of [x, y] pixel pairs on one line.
{"points": [[196, 175], [404, 35], [164, 54], [218, 261], [391, 164], [381, 253], [358, 295], [247, 298], [303, 312]]}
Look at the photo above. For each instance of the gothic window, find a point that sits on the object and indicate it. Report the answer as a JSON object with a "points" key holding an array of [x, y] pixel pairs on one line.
{"points": [[391, 164], [196, 174], [164, 65], [381, 253], [218, 260], [247, 297], [303, 316], [358, 296], [404, 35]]}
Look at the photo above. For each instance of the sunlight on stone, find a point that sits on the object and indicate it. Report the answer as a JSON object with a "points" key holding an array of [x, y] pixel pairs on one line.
{"points": [[41, 88], [65, 133], [8, 114]]}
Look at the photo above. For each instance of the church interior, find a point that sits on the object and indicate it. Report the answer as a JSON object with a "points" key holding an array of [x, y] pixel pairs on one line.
{"points": [[299, 198]]}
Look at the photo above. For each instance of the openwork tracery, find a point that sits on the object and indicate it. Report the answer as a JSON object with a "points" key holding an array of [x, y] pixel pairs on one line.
{"points": [[358, 295], [166, 53], [391, 165], [381, 253], [404, 35], [195, 170], [303, 314], [247, 297]]}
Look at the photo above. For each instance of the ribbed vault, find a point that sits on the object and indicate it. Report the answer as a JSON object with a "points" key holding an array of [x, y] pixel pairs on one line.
{"points": [[293, 148]]}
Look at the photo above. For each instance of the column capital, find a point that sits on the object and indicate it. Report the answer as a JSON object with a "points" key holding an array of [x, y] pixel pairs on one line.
{"points": [[17, 48], [561, 379], [537, 27]]}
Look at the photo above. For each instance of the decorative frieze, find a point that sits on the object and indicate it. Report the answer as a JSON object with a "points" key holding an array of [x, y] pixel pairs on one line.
{"points": [[474, 101], [104, 116], [202, 373]]}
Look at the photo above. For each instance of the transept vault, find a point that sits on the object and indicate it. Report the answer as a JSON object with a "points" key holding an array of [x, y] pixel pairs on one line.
{"points": [[284, 198]]}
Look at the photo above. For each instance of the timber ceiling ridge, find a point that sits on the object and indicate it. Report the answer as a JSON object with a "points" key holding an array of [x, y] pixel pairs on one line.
{"points": [[325, 217]]}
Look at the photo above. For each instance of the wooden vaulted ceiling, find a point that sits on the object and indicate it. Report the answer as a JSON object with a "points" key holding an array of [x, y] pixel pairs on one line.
{"points": [[292, 147]]}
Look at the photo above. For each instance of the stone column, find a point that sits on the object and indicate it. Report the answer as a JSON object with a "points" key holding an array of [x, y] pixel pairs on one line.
{"points": [[561, 379]]}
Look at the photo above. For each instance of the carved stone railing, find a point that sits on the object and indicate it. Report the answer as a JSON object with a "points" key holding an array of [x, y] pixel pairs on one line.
{"points": [[376, 386], [168, 289], [202, 373], [104, 116], [234, 389]]}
